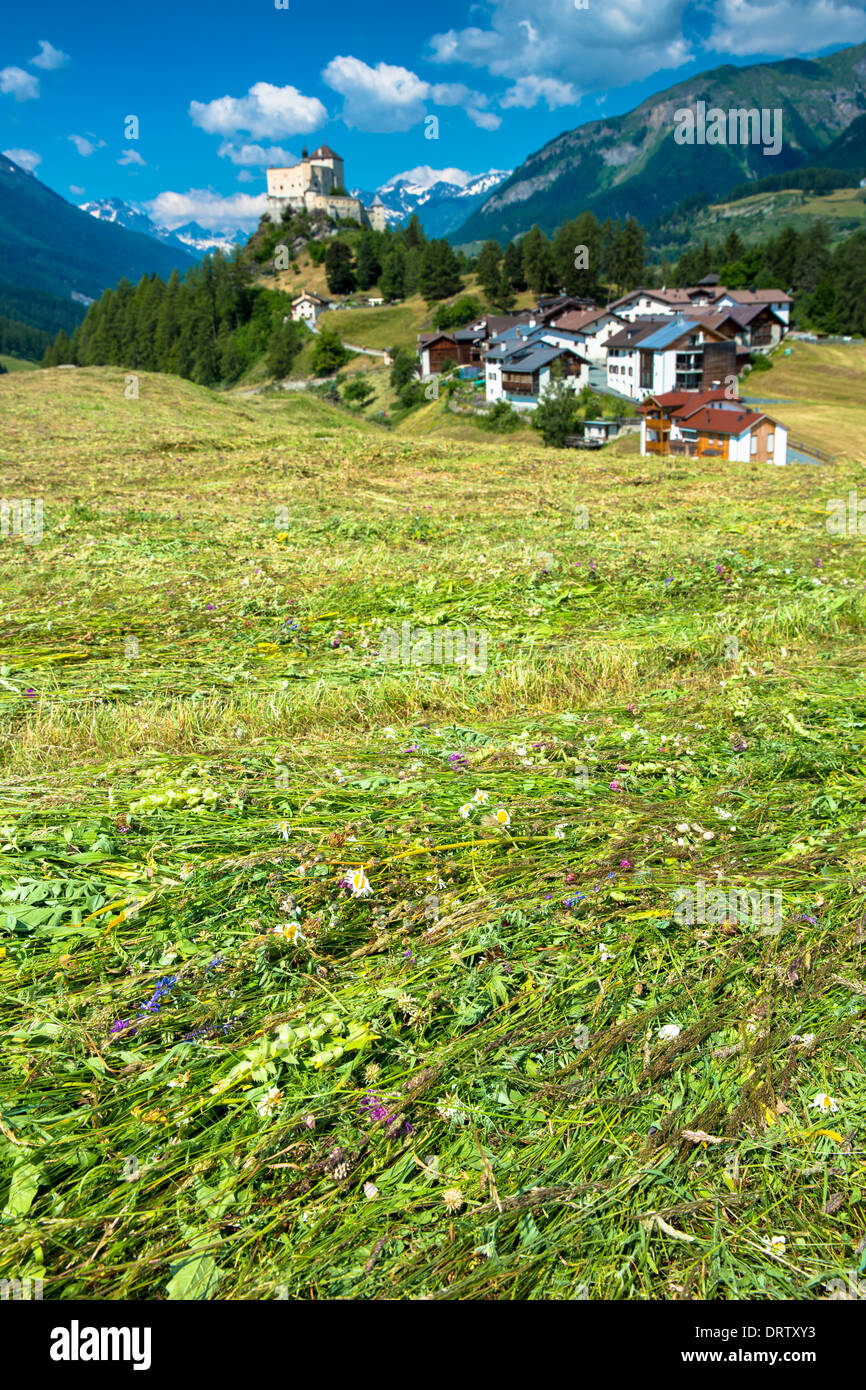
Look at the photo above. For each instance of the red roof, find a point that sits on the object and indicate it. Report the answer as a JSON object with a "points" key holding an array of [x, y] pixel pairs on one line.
{"points": [[721, 421], [683, 402]]}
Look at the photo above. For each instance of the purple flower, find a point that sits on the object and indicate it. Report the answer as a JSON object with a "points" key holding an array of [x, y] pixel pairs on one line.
{"points": [[209, 607], [626, 864], [615, 786]]}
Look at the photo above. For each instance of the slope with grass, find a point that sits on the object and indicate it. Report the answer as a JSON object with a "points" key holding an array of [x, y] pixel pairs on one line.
{"points": [[510, 1069]]}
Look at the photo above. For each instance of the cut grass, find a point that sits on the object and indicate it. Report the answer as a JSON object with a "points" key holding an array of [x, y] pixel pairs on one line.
{"points": [[473, 1096]]}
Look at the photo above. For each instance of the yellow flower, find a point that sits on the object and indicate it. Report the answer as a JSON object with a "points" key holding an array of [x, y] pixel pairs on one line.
{"points": [[481, 797], [502, 817]]}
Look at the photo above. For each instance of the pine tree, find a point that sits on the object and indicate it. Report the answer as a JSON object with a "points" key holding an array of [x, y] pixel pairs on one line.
{"points": [[513, 263], [369, 268], [392, 281], [488, 268], [339, 271]]}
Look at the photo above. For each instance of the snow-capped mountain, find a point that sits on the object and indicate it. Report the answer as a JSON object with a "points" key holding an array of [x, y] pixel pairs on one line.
{"points": [[442, 198], [190, 237]]}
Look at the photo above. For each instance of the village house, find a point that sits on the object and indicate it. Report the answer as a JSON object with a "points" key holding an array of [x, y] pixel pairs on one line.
{"points": [[521, 370], [595, 326], [466, 346], [709, 294], [307, 306], [710, 424], [679, 354], [435, 350]]}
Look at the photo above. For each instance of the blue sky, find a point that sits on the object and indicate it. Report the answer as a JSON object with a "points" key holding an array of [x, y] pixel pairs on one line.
{"points": [[222, 90]]}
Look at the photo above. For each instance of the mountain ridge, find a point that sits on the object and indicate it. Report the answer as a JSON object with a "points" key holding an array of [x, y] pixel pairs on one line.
{"points": [[630, 163]]}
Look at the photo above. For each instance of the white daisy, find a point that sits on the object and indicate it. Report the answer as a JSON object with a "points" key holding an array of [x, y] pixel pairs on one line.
{"points": [[776, 1245], [359, 883], [825, 1103], [481, 797], [559, 832], [283, 829], [466, 810], [669, 1032], [502, 817]]}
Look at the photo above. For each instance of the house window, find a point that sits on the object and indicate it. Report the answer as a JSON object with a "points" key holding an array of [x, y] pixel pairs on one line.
{"points": [[754, 444], [771, 441]]}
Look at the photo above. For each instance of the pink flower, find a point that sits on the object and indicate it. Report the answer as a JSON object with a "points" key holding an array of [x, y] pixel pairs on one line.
{"points": [[615, 786], [626, 864]]}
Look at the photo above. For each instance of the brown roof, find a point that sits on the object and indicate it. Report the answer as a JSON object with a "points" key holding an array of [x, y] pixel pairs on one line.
{"points": [[721, 421], [632, 334], [683, 402], [758, 296], [325, 152], [576, 321]]}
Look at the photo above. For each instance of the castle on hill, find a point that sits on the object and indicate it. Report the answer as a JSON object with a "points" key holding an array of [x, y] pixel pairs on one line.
{"points": [[317, 184]]}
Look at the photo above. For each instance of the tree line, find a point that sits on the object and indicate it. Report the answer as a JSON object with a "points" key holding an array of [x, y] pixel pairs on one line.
{"points": [[209, 326]]}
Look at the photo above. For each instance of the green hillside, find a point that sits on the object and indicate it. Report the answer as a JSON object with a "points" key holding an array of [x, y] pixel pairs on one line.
{"points": [[46, 244], [631, 164]]}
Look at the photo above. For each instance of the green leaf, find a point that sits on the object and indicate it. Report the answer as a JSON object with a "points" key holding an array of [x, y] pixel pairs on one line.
{"points": [[26, 1178], [195, 1276]]}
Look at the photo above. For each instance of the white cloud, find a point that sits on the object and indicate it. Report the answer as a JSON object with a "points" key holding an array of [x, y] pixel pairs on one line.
{"points": [[246, 176], [26, 159], [605, 45], [131, 157], [86, 145], [75, 190], [48, 58], [208, 208], [485, 119], [779, 27], [382, 99], [266, 111], [23, 86], [257, 155], [529, 91]]}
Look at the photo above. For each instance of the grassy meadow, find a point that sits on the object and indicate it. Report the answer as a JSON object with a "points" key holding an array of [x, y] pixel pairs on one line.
{"points": [[324, 976]]}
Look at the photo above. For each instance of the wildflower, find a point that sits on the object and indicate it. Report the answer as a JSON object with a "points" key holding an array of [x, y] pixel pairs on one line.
{"points": [[453, 1199], [559, 832], [502, 817], [722, 813], [450, 1110], [669, 1032], [388, 733], [683, 827], [466, 810], [708, 834], [283, 829], [626, 864], [804, 1039], [270, 1101], [340, 777], [289, 931], [615, 786], [359, 884], [481, 797], [371, 1071], [371, 1191], [825, 1103], [776, 1245], [606, 953]]}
